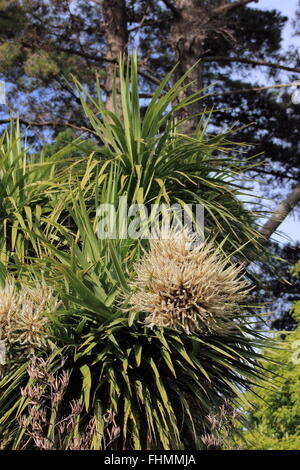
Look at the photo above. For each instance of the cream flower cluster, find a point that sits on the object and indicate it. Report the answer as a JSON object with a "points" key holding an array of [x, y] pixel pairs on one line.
{"points": [[23, 313], [192, 290]]}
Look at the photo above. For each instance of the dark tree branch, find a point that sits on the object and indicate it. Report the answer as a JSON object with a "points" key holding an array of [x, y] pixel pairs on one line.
{"points": [[149, 76], [254, 89], [172, 7], [146, 74], [52, 123], [226, 7], [250, 62], [146, 23], [96, 59], [237, 91], [281, 212], [276, 174], [67, 88], [56, 47]]}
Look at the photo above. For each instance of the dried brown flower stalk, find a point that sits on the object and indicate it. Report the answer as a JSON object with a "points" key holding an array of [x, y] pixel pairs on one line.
{"points": [[44, 420], [186, 287], [112, 430], [221, 425]]}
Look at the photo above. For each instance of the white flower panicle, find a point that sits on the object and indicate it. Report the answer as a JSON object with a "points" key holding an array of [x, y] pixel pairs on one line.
{"points": [[188, 289], [23, 313]]}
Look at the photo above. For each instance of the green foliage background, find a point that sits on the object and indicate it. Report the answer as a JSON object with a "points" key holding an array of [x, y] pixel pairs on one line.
{"points": [[275, 419]]}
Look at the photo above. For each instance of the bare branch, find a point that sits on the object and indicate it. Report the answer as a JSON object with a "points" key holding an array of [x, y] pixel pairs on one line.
{"points": [[281, 212], [250, 62], [149, 76], [92, 57], [172, 7], [276, 174], [146, 23], [62, 82], [237, 91], [52, 123], [254, 89], [146, 74], [57, 47], [226, 7]]}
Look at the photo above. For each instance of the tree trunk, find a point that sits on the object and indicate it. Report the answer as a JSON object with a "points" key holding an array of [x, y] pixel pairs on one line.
{"points": [[281, 212], [187, 39], [192, 25], [116, 35]]}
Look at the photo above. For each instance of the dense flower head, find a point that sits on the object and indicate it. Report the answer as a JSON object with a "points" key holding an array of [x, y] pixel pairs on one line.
{"points": [[186, 287], [23, 312]]}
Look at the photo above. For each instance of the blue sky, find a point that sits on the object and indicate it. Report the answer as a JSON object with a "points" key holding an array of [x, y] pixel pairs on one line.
{"points": [[288, 8], [291, 226]]}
